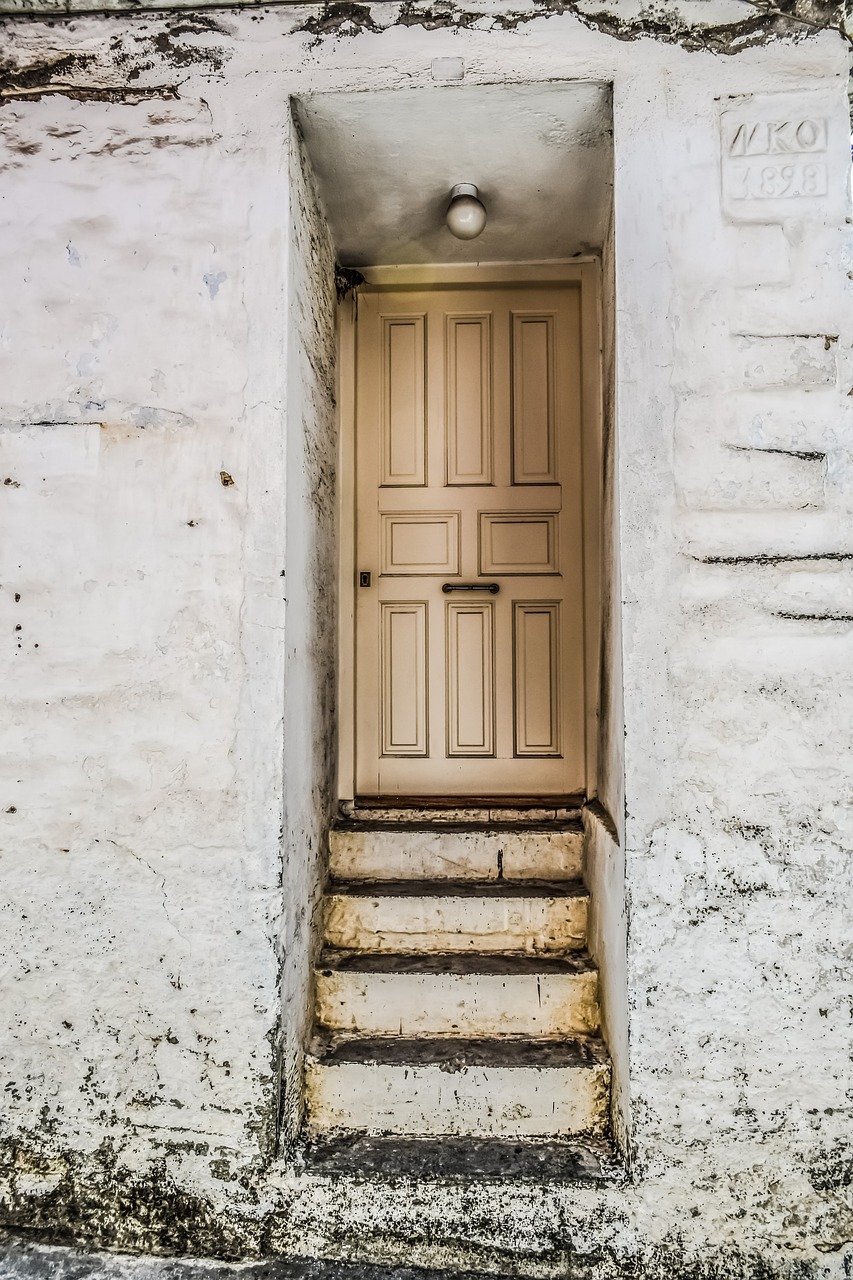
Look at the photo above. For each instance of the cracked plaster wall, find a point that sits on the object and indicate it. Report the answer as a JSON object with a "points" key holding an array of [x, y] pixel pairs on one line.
{"points": [[311, 585], [148, 416], [142, 442]]}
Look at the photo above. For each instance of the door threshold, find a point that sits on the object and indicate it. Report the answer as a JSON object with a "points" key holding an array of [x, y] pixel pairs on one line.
{"points": [[516, 810]]}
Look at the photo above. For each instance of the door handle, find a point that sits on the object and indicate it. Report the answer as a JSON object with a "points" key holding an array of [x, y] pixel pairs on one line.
{"points": [[492, 587]]}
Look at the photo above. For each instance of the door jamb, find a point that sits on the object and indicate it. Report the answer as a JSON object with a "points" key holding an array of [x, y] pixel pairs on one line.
{"points": [[585, 271]]}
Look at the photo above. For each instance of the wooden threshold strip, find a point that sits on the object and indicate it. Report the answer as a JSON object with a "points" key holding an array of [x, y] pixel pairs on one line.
{"points": [[470, 802]]}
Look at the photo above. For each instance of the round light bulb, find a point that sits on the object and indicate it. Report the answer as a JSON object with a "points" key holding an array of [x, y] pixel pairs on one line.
{"points": [[466, 215]]}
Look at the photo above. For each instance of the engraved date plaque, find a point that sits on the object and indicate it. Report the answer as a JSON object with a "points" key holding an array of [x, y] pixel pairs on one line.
{"points": [[774, 157]]}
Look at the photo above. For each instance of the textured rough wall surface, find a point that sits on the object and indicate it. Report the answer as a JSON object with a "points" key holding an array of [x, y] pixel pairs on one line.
{"points": [[311, 581], [141, 591], [146, 269], [144, 338]]}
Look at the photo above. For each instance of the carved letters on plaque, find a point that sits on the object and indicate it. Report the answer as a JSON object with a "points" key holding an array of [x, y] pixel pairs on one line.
{"points": [[768, 138], [772, 162], [778, 171]]}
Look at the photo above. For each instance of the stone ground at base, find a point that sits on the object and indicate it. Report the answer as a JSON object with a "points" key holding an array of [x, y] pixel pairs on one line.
{"points": [[24, 1259]]}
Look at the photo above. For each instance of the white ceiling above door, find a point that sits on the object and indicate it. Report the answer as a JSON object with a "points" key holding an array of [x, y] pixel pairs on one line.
{"points": [[540, 154]]}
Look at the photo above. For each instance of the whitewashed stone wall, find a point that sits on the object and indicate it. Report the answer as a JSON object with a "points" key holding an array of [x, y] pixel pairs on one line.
{"points": [[165, 456], [142, 455]]}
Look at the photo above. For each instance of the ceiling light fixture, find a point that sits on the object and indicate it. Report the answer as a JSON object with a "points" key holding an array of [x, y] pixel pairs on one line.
{"points": [[466, 215]]}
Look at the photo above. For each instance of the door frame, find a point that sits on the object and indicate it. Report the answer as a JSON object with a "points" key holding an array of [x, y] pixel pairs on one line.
{"points": [[585, 272]]}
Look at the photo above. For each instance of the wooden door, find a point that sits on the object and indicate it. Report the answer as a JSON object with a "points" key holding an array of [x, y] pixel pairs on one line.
{"points": [[469, 557]]}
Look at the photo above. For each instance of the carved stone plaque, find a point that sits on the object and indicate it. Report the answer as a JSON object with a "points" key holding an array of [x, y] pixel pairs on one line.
{"points": [[775, 152]]}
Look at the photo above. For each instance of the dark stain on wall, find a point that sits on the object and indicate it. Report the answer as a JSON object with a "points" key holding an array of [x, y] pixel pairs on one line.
{"points": [[772, 20], [180, 54], [343, 19], [832, 1170], [33, 78], [767, 20], [801, 455], [770, 558], [152, 1215], [144, 45], [814, 617], [96, 1200]]}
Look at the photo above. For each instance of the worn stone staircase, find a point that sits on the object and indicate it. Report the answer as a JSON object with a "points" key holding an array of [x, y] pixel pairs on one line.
{"points": [[454, 993]]}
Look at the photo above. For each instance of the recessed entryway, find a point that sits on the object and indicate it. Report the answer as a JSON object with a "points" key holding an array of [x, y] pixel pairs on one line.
{"points": [[454, 990]]}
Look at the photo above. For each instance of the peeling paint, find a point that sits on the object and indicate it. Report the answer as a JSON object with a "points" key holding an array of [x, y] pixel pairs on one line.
{"points": [[168, 718], [180, 46], [341, 19], [766, 21]]}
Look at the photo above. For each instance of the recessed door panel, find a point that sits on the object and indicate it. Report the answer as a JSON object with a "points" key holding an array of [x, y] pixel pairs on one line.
{"points": [[404, 679], [522, 543], [470, 680], [415, 543], [469, 400], [469, 625], [534, 433], [403, 403], [536, 649]]}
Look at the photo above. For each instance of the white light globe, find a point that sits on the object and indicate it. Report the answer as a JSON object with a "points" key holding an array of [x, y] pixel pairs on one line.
{"points": [[466, 215]]}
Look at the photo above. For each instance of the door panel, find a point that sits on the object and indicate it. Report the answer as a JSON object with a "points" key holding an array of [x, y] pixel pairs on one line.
{"points": [[404, 679], [414, 543], [468, 466], [534, 429], [470, 680], [536, 647], [518, 543], [469, 400], [403, 407]]}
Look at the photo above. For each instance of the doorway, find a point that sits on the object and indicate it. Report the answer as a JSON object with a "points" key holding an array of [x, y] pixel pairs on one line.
{"points": [[469, 662], [469, 549]]}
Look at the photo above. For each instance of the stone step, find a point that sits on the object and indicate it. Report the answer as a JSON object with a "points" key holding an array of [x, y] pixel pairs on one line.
{"points": [[459, 851], [565, 1158], [519, 1088], [485, 813], [534, 917], [469, 996]]}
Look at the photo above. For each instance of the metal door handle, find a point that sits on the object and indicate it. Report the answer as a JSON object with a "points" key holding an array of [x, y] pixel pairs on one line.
{"points": [[492, 587]]}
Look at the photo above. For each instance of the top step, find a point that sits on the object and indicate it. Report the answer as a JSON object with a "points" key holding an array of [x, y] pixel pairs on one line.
{"points": [[509, 812], [458, 851]]}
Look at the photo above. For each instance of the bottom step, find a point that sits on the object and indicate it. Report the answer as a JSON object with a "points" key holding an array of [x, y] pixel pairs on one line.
{"points": [[518, 1088], [583, 1159]]}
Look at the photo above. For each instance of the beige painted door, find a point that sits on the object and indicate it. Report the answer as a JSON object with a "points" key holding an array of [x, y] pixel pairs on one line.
{"points": [[469, 629]]}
